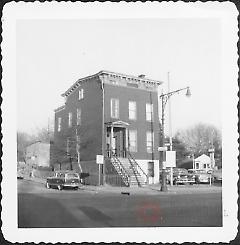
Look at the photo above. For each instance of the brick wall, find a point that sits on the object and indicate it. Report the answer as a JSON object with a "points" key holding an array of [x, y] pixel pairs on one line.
{"points": [[126, 94]]}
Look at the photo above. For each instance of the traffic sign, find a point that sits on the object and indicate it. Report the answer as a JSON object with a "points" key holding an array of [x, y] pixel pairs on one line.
{"points": [[171, 159], [99, 159]]}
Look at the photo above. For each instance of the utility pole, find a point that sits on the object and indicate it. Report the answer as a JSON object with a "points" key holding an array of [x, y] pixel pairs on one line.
{"points": [[169, 114], [162, 151], [68, 153], [170, 129], [78, 150]]}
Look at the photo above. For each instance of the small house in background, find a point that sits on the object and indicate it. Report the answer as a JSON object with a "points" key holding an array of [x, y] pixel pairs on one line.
{"points": [[38, 154], [202, 162]]}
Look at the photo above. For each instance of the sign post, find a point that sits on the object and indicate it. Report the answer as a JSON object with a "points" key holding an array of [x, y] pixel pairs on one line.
{"points": [[99, 161], [171, 163]]}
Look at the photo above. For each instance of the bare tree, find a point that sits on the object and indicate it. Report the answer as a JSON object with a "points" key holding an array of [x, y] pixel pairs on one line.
{"points": [[23, 140], [65, 149], [44, 135], [200, 138]]}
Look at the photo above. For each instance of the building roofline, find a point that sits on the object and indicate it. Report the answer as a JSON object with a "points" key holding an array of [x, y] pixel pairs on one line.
{"points": [[77, 83], [59, 108]]}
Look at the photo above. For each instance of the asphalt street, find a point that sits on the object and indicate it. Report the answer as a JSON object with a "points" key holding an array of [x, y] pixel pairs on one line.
{"points": [[91, 207]]}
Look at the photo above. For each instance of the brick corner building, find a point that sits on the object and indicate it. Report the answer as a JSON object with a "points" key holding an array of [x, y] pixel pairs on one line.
{"points": [[113, 115]]}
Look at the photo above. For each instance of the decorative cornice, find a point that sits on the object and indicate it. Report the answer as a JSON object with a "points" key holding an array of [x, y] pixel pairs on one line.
{"points": [[130, 78]]}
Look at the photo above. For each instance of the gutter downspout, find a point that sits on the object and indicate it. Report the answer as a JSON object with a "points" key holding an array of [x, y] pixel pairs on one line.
{"points": [[103, 131]]}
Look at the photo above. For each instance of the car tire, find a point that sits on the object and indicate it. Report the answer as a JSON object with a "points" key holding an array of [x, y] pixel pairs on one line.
{"points": [[59, 187], [47, 185]]}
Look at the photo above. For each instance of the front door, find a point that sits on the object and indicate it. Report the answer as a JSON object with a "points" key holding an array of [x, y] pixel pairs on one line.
{"points": [[119, 142]]}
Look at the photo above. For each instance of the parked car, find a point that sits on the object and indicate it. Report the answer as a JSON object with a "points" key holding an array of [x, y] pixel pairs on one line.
{"points": [[20, 174], [201, 176], [62, 179], [183, 179], [217, 175], [177, 171], [181, 176]]}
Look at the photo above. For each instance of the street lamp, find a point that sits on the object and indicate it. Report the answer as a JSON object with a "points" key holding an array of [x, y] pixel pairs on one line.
{"points": [[162, 155]]}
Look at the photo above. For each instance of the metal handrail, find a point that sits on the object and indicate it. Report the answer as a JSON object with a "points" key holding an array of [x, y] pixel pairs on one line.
{"points": [[133, 159], [121, 168]]}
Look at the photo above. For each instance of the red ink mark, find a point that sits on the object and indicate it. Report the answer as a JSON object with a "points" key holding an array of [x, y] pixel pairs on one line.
{"points": [[149, 212]]}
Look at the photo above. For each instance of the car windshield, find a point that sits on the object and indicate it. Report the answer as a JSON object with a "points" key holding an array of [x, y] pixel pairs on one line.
{"points": [[72, 175], [59, 175]]}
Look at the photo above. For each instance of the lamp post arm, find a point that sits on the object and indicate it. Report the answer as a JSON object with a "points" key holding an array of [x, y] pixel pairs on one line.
{"points": [[173, 92], [166, 96]]}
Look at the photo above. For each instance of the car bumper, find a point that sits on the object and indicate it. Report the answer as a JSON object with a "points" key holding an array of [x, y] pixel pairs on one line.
{"points": [[184, 181], [73, 185], [204, 181]]}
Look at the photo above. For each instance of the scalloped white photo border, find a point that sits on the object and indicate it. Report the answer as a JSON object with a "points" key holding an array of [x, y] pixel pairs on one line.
{"points": [[224, 11]]}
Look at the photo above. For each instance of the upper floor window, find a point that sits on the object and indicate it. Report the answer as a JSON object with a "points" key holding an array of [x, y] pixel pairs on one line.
{"points": [[134, 85], [113, 81], [132, 110], [59, 126], [149, 112], [70, 119], [133, 140], [80, 94], [79, 112], [114, 108], [150, 141]]}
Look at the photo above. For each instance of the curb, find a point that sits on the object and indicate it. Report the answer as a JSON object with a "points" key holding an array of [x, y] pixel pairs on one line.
{"points": [[150, 190]]}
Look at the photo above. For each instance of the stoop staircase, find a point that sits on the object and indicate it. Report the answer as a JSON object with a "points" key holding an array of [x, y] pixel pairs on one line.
{"points": [[130, 171]]}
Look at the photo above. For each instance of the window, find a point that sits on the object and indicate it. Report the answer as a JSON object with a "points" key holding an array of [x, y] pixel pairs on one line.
{"points": [[59, 124], [79, 112], [70, 119], [149, 112], [134, 85], [150, 141], [133, 140], [80, 94], [114, 108], [113, 81], [132, 110]]}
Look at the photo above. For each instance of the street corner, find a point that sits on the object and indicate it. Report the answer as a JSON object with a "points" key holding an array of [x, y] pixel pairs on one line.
{"points": [[149, 213]]}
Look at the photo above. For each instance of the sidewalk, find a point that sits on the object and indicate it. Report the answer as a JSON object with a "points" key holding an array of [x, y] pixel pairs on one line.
{"points": [[153, 190], [200, 188], [148, 190], [35, 179]]}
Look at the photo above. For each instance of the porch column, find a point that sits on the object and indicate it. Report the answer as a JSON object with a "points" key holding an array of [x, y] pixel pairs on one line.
{"points": [[126, 140], [111, 141]]}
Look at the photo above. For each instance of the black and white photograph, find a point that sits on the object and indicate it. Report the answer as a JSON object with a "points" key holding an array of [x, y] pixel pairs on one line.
{"points": [[119, 122]]}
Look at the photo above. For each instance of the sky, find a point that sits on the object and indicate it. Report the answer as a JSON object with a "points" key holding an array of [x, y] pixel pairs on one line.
{"points": [[53, 54]]}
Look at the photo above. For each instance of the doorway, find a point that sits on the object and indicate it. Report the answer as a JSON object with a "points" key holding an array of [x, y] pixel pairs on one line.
{"points": [[116, 141]]}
